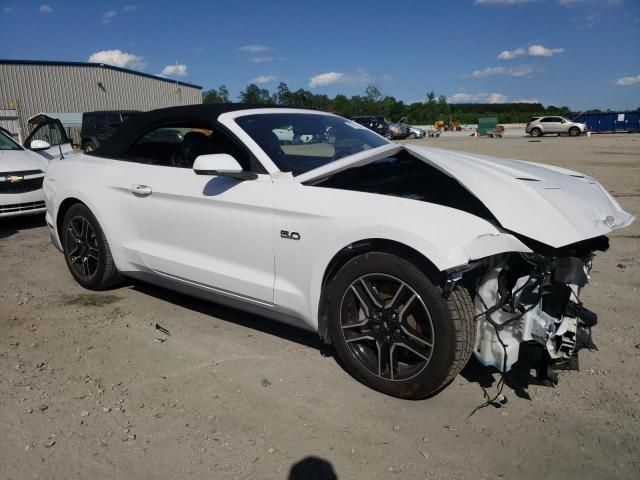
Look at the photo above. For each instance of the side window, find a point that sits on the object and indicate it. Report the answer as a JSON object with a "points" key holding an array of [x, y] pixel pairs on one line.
{"points": [[114, 120], [179, 146], [101, 122], [546, 120], [89, 122], [51, 133]]}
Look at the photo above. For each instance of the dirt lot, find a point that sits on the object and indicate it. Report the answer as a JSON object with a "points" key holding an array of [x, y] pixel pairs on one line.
{"points": [[86, 390]]}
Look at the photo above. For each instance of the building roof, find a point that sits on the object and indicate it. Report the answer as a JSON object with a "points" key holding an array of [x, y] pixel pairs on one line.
{"points": [[98, 65], [205, 115]]}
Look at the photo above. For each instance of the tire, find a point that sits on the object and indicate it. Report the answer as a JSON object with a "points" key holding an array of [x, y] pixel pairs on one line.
{"points": [[536, 132], [412, 135], [574, 131], [413, 342], [86, 250], [89, 147]]}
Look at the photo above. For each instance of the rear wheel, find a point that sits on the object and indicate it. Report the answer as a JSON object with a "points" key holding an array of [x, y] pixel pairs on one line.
{"points": [[393, 330], [412, 135], [86, 250], [536, 132], [89, 147], [574, 131]]}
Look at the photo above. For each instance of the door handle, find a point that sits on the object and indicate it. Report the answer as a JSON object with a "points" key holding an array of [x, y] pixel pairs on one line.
{"points": [[140, 190]]}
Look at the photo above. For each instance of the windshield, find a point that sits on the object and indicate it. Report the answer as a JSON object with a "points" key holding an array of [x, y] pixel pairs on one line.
{"points": [[299, 142], [7, 144]]}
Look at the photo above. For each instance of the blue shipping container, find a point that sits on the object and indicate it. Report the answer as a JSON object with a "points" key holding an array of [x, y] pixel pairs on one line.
{"points": [[611, 121]]}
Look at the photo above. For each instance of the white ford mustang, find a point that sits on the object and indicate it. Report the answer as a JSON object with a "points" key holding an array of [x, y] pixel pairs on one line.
{"points": [[407, 259]]}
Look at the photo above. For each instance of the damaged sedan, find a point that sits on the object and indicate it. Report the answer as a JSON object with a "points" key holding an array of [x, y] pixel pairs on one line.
{"points": [[407, 259]]}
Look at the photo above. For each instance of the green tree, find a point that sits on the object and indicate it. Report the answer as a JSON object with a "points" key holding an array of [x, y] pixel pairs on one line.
{"points": [[221, 95], [255, 95], [283, 94]]}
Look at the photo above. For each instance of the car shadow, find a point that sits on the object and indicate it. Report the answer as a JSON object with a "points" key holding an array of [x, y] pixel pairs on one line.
{"points": [[518, 378], [239, 317], [11, 226]]}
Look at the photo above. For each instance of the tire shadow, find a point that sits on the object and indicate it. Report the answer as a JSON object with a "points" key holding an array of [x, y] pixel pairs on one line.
{"points": [[11, 226]]}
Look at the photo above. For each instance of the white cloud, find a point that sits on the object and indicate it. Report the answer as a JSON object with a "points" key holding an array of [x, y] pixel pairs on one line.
{"points": [[519, 71], [45, 8], [178, 70], [532, 51], [325, 79], [626, 81], [131, 8], [256, 48], [359, 77], [264, 79], [511, 54], [118, 58], [540, 51], [477, 98], [527, 100], [108, 16], [6, 9], [262, 59], [501, 3]]}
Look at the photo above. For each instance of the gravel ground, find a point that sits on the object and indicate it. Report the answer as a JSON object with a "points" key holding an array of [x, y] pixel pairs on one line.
{"points": [[89, 388]]}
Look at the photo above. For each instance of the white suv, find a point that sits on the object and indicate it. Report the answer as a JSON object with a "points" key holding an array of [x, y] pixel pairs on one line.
{"points": [[538, 126]]}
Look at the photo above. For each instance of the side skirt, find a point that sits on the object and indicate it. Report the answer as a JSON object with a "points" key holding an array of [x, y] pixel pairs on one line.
{"points": [[222, 297]]}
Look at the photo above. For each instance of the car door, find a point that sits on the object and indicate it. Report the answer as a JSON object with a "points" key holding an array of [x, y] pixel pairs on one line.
{"points": [[52, 132], [205, 230]]}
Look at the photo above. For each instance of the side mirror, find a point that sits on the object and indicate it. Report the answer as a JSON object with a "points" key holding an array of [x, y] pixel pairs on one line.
{"points": [[221, 165], [37, 145]]}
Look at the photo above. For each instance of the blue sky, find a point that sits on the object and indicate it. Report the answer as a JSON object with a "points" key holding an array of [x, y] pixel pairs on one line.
{"points": [[580, 53]]}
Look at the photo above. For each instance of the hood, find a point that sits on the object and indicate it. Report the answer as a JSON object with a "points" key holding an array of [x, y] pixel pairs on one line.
{"points": [[18, 160], [548, 204]]}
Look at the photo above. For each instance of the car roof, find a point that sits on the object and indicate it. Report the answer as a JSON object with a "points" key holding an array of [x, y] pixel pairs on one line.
{"points": [[131, 129], [100, 112]]}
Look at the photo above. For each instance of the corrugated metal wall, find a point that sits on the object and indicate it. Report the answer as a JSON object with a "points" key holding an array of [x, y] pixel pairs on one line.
{"points": [[35, 88]]}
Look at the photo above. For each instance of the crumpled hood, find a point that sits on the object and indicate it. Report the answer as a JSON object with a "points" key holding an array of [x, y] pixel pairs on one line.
{"points": [[549, 204], [18, 160]]}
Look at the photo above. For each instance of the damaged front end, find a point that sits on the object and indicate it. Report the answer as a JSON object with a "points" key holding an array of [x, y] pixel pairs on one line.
{"points": [[528, 307]]}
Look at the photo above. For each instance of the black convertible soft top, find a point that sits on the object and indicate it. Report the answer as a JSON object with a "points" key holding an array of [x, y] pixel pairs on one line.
{"points": [[131, 129]]}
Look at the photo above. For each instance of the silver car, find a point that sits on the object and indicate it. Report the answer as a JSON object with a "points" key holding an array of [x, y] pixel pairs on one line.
{"points": [[538, 126]]}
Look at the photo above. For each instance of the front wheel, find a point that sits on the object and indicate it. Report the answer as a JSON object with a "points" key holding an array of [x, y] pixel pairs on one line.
{"points": [[574, 131], [86, 250], [89, 147], [392, 329]]}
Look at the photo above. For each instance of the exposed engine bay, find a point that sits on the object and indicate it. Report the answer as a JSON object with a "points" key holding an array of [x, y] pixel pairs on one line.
{"points": [[533, 300]]}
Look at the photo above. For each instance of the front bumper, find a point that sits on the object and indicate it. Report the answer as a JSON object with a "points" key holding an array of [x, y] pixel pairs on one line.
{"points": [[17, 204]]}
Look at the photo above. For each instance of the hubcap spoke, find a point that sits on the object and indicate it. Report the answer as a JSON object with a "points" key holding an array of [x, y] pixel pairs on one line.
{"points": [[416, 336], [360, 338], [367, 306], [406, 307], [371, 294], [393, 302], [412, 347]]}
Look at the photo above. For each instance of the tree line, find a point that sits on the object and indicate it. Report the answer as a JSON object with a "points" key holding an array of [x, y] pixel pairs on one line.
{"points": [[373, 102]]}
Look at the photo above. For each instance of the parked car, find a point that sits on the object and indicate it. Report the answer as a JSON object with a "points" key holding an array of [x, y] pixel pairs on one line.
{"points": [[414, 132], [398, 131], [406, 258], [538, 126], [21, 175], [375, 123], [98, 126]]}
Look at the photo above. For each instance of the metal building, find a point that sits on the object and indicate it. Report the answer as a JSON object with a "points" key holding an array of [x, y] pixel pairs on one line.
{"points": [[31, 87]]}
